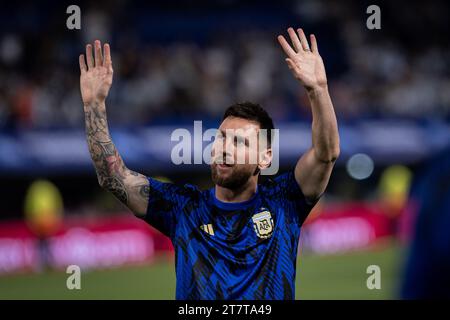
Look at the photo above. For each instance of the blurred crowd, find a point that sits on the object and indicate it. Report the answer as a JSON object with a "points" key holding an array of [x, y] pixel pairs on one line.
{"points": [[372, 73]]}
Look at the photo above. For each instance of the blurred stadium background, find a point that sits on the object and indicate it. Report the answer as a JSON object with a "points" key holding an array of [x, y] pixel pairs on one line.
{"points": [[175, 63]]}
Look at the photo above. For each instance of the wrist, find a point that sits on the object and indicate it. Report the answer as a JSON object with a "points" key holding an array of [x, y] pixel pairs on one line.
{"points": [[317, 89], [94, 103]]}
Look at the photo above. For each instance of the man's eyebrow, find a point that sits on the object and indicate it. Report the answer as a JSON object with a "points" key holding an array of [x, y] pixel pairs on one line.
{"points": [[243, 138], [234, 135]]}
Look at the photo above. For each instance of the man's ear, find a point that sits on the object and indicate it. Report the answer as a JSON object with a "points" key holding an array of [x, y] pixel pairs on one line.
{"points": [[265, 158]]}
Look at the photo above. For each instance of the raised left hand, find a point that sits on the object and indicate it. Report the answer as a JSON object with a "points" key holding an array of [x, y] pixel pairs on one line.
{"points": [[305, 63]]}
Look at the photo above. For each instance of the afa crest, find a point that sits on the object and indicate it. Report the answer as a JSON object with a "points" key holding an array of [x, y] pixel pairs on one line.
{"points": [[263, 224]]}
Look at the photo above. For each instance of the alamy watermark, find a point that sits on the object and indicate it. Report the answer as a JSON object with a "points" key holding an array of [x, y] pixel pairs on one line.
{"points": [[74, 20], [230, 146], [374, 280], [73, 281], [374, 20]]}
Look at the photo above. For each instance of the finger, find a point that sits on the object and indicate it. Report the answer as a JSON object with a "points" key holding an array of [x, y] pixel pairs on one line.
{"points": [[107, 57], [89, 59], [291, 64], [286, 47], [295, 40], [107, 52], [98, 54], [303, 39], [314, 47], [83, 67]]}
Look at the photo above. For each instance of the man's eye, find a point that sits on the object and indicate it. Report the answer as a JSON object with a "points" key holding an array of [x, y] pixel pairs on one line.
{"points": [[239, 141]]}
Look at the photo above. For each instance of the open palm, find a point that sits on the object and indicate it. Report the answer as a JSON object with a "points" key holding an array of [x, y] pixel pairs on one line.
{"points": [[96, 77], [306, 64]]}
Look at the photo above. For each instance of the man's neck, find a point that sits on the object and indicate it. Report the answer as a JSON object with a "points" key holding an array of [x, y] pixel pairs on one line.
{"points": [[244, 193]]}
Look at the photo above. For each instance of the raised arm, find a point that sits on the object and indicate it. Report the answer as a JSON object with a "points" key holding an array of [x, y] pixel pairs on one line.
{"points": [[313, 169], [129, 187]]}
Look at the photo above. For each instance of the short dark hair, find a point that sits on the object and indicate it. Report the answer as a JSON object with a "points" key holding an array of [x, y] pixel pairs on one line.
{"points": [[253, 112]]}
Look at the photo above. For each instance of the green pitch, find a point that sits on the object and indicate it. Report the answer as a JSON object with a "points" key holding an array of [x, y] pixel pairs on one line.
{"points": [[318, 277]]}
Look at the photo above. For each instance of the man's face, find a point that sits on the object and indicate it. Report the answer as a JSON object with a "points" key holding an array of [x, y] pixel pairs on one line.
{"points": [[235, 152]]}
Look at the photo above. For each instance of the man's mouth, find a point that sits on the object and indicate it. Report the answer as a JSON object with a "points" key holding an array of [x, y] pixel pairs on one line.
{"points": [[223, 165]]}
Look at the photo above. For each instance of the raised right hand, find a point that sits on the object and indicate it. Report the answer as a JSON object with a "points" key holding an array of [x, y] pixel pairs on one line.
{"points": [[96, 78]]}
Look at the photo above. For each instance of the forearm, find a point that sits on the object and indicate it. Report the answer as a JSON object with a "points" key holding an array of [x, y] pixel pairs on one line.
{"points": [[131, 188], [325, 135], [128, 186], [108, 164], [313, 169]]}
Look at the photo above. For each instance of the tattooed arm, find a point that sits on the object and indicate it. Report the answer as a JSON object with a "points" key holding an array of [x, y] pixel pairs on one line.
{"points": [[129, 187]]}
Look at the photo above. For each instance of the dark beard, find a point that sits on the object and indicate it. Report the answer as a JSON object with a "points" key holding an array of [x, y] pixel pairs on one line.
{"points": [[236, 180]]}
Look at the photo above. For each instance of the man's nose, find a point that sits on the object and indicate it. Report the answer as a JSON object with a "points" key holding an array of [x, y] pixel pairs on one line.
{"points": [[228, 146], [223, 148]]}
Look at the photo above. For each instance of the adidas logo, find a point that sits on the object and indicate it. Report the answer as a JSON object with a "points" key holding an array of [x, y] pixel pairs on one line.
{"points": [[208, 228]]}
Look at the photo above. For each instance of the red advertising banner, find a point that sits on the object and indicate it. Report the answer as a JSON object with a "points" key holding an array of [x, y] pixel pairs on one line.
{"points": [[345, 226], [101, 242], [86, 242]]}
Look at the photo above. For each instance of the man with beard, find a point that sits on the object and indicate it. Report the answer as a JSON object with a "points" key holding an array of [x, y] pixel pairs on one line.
{"points": [[239, 239]]}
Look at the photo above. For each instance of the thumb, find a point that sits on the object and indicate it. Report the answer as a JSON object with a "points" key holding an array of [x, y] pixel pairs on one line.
{"points": [[290, 63]]}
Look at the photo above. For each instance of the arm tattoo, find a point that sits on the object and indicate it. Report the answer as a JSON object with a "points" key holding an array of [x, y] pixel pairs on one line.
{"points": [[116, 187], [96, 121], [111, 171]]}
